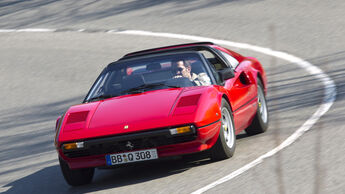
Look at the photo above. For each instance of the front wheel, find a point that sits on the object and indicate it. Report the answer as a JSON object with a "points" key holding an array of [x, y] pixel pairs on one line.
{"points": [[78, 176], [226, 143], [260, 121]]}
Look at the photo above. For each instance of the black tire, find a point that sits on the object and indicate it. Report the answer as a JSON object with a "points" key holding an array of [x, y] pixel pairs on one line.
{"points": [[76, 177], [261, 119], [226, 143]]}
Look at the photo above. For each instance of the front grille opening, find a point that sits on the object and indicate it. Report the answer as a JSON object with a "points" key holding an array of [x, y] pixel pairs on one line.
{"points": [[108, 147]]}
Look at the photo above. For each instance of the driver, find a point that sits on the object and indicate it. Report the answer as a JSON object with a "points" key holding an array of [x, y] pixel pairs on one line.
{"points": [[183, 68]]}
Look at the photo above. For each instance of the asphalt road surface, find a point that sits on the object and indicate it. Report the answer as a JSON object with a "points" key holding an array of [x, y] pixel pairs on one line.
{"points": [[43, 73]]}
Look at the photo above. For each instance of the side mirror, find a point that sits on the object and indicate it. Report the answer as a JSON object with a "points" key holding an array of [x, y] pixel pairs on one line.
{"points": [[225, 74]]}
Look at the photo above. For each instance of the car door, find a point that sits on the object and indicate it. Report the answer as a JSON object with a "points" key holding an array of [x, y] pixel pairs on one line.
{"points": [[241, 91]]}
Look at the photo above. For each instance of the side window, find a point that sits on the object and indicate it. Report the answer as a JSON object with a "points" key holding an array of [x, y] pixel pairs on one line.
{"points": [[212, 69], [215, 74], [213, 60], [233, 62]]}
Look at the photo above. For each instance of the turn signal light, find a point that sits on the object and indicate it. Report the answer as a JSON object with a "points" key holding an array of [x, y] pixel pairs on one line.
{"points": [[180, 130], [75, 145]]}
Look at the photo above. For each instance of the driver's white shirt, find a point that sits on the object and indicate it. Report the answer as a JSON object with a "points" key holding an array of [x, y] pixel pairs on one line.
{"points": [[201, 79]]}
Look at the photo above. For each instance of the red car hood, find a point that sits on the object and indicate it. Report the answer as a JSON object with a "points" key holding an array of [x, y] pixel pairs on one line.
{"points": [[127, 110], [125, 114]]}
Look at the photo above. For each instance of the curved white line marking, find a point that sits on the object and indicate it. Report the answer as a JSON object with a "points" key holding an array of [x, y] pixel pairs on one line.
{"points": [[329, 94], [28, 30], [328, 100]]}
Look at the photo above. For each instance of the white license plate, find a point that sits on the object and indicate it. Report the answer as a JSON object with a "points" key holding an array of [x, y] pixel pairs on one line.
{"points": [[128, 157]]}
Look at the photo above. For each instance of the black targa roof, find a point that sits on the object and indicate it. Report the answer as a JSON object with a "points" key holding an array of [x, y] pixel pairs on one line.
{"points": [[189, 46]]}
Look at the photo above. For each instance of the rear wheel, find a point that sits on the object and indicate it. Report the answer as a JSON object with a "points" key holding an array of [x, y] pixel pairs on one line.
{"points": [[78, 176], [260, 121], [226, 143]]}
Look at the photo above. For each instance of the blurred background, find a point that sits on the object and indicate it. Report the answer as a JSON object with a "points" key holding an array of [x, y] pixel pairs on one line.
{"points": [[43, 73]]}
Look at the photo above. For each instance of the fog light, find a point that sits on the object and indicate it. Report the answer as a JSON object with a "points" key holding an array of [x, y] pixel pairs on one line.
{"points": [[75, 145], [179, 130]]}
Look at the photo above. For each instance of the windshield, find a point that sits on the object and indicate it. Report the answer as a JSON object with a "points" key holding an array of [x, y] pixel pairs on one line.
{"points": [[153, 73]]}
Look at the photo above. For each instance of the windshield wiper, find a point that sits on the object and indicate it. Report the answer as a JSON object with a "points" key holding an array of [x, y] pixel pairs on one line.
{"points": [[101, 97], [141, 88]]}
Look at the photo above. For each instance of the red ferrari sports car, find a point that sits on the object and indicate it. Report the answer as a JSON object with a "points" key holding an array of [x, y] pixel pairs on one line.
{"points": [[161, 102]]}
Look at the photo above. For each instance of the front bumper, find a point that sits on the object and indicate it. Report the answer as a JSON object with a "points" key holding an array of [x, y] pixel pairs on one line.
{"points": [[94, 151]]}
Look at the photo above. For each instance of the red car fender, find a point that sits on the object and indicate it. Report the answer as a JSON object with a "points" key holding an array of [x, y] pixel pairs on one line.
{"points": [[57, 122], [223, 94], [208, 110]]}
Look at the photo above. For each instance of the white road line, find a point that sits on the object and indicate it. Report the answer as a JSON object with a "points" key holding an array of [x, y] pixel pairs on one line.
{"points": [[328, 100], [36, 30], [7, 30], [28, 30], [329, 94]]}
